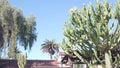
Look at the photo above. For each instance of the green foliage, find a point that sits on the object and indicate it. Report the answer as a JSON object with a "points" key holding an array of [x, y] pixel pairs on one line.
{"points": [[94, 32], [49, 46], [15, 28], [14, 54]]}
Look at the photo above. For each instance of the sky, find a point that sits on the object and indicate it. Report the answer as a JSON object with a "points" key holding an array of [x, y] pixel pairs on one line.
{"points": [[50, 17]]}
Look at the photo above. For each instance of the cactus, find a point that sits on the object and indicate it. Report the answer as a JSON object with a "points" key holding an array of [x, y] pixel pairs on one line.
{"points": [[21, 60], [93, 34]]}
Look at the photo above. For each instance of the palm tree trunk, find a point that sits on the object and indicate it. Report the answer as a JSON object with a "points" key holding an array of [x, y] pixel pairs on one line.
{"points": [[50, 56]]}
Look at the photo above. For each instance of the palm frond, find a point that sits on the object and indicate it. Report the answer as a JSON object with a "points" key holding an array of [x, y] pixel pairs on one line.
{"points": [[49, 45]]}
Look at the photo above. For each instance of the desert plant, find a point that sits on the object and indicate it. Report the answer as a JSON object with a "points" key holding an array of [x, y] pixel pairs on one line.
{"points": [[93, 34]]}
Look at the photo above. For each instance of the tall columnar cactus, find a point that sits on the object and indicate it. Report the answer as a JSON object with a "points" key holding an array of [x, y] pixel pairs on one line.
{"points": [[93, 34], [21, 60]]}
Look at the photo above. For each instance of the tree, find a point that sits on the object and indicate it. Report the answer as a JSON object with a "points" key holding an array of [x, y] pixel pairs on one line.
{"points": [[15, 54], [49, 46], [93, 34], [15, 29], [1, 39]]}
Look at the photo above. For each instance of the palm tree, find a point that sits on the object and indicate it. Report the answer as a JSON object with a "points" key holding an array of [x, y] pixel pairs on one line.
{"points": [[49, 46]]}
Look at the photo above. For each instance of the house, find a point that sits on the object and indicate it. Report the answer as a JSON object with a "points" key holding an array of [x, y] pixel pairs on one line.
{"points": [[71, 61], [59, 60]]}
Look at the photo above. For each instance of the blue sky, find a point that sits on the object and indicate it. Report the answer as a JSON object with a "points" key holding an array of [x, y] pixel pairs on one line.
{"points": [[50, 17]]}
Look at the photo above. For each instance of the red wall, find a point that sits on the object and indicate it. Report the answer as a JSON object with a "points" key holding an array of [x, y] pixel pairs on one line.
{"points": [[30, 63]]}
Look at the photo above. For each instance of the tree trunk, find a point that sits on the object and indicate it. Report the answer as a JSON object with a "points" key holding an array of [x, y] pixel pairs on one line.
{"points": [[107, 60], [51, 56]]}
